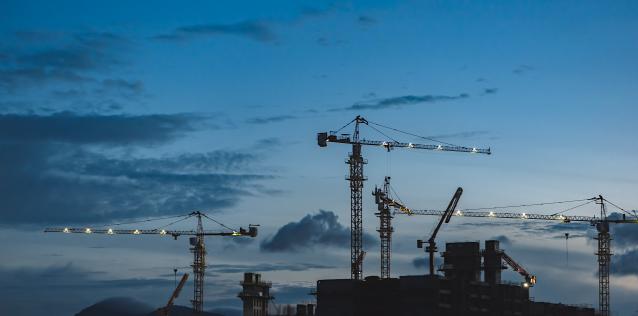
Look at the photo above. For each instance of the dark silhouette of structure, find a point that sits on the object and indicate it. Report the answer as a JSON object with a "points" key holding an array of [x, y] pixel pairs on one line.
{"points": [[255, 295], [459, 292]]}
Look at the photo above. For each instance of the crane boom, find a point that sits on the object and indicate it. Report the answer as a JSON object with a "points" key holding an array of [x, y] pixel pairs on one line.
{"points": [[356, 176], [174, 233], [530, 280], [445, 217], [165, 311], [324, 138], [523, 216]]}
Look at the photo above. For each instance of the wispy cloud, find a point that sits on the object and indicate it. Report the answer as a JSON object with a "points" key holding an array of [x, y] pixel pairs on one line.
{"points": [[253, 29], [490, 91], [401, 101], [523, 69], [366, 20], [65, 166], [270, 119], [73, 58]]}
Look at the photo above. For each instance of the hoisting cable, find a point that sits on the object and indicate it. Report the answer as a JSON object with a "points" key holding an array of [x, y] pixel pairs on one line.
{"points": [[525, 205], [175, 222], [414, 135], [142, 221], [382, 133], [337, 131], [218, 222], [618, 207], [571, 208]]}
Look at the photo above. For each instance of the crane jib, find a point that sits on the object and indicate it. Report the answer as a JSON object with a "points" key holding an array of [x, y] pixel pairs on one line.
{"points": [[323, 139]]}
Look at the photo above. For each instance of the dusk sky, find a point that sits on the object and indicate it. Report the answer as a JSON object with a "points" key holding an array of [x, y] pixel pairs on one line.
{"points": [[119, 111]]}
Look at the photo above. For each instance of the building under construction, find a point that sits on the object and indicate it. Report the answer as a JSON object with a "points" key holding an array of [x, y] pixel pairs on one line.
{"points": [[459, 292]]}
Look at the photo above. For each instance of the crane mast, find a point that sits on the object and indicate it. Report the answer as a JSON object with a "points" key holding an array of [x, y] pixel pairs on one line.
{"points": [[199, 265], [385, 226], [356, 178], [604, 258]]}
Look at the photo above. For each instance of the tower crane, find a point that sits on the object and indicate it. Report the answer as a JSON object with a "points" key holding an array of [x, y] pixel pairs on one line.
{"points": [[445, 217], [356, 177], [197, 246], [384, 202], [601, 223]]}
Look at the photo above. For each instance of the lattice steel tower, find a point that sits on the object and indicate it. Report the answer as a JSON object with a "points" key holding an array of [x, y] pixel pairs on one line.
{"points": [[385, 226], [604, 258], [356, 178], [199, 265]]}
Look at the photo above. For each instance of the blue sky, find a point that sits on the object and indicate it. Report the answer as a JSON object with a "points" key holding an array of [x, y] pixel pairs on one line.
{"points": [[113, 111]]}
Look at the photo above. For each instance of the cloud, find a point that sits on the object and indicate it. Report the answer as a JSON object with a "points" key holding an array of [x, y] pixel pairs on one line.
{"points": [[401, 101], [68, 58], [69, 127], [522, 69], [490, 91], [504, 240], [320, 229], [366, 20], [270, 119], [252, 29], [59, 169], [625, 263], [267, 267], [624, 235]]}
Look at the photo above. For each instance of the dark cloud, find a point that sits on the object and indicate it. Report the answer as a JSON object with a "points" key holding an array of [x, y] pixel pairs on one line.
{"points": [[503, 240], [70, 58], [127, 88], [267, 267], [320, 229], [625, 263], [270, 119], [255, 30], [490, 91], [57, 169], [61, 184], [270, 142], [71, 127], [522, 69], [624, 235], [366, 20], [403, 101]]}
